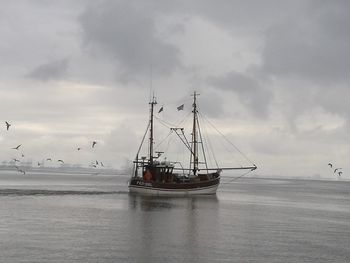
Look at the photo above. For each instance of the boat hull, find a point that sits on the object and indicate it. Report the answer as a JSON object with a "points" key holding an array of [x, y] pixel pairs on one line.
{"points": [[176, 189]]}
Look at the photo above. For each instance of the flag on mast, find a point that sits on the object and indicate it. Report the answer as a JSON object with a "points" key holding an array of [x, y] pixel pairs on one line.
{"points": [[181, 107]]}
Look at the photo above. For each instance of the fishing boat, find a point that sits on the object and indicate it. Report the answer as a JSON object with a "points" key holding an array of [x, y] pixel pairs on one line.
{"points": [[155, 177]]}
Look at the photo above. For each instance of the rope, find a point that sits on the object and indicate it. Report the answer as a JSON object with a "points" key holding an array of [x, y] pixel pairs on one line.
{"points": [[164, 123], [224, 144], [236, 178], [238, 150], [171, 125], [208, 145], [160, 143]]}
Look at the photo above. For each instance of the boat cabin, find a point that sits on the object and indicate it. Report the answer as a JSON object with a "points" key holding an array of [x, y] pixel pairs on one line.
{"points": [[158, 172]]}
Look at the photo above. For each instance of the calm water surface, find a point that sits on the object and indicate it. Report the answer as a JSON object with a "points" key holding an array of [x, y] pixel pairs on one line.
{"points": [[92, 218]]}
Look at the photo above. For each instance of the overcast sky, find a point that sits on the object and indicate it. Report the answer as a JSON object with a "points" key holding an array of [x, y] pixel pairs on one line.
{"points": [[273, 75]]}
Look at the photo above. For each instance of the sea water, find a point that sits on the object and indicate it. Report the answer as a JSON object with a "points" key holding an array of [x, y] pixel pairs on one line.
{"points": [[93, 218]]}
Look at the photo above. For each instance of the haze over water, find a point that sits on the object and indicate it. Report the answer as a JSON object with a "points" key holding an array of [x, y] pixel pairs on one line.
{"points": [[92, 218]]}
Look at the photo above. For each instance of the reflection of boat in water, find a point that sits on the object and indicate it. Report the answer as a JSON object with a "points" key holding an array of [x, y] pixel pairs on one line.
{"points": [[151, 176]]}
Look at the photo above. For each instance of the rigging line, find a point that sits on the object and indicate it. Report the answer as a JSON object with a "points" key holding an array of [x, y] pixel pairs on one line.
{"points": [[184, 119], [201, 138], [135, 167], [183, 138], [170, 125], [164, 123], [163, 140], [187, 143], [209, 145], [232, 154], [229, 141], [209, 153], [168, 145], [236, 178], [143, 139]]}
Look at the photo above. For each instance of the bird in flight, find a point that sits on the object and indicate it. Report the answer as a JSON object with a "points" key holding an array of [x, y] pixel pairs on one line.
{"points": [[20, 170], [93, 144], [331, 165], [22, 155], [7, 125], [61, 161], [335, 170], [101, 163], [340, 173], [15, 160], [48, 159], [78, 148], [17, 147]]}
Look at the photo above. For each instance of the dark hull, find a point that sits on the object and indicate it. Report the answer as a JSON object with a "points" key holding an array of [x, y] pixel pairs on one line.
{"points": [[138, 185]]}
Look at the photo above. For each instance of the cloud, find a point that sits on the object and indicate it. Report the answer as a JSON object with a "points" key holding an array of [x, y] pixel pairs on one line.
{"points": [[212, 104], [314, 46], [126, 32], [272, 65], [251, 94], [50, 71]]}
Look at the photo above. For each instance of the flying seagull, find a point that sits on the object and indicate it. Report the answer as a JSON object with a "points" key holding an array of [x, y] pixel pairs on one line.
{"points": [[339, 173], [79, 149], [7, 125], [22, 155], [20, 170], [61, 161], [331, 165], [101, 163], [17, 147], [93, 144], [16, 160], [48, 159], [335, 170]]}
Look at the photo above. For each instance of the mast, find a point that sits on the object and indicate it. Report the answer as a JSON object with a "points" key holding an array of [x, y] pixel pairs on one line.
{"points": [[194, 135], [152, 103]]}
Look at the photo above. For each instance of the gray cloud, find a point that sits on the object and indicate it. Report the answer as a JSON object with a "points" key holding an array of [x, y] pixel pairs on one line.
{"points": [[313, 46], [125, 31], [251, 94], [212, 104], [233, 14], [293, 56], [50, 71]]}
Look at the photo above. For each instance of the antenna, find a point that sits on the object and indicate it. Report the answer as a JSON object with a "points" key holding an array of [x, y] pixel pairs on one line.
{"points": [[151, 80], [151, 92]]}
